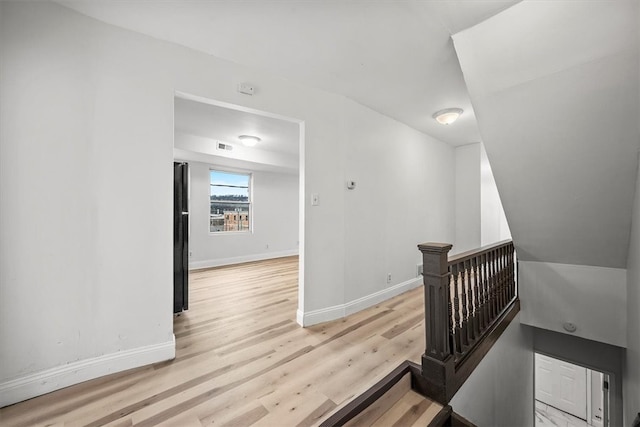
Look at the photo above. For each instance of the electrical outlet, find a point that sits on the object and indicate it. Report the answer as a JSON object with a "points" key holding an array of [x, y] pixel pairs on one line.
{"points": [[190, 253], [419, 270], [388, 277]]}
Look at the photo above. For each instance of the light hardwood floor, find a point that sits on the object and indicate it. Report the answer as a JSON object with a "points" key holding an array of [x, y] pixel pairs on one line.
{"points": [[241, 360], [399, 406]]}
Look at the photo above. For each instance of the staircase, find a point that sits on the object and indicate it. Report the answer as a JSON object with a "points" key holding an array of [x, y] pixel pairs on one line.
{"points": [[470, 299]]}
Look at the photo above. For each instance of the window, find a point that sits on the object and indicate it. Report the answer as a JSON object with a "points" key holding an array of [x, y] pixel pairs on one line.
{"points": [[230, 201]]}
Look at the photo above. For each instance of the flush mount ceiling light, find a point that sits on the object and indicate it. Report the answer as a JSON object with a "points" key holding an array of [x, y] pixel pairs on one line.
{"points": [[249, 140], [447, 116]]}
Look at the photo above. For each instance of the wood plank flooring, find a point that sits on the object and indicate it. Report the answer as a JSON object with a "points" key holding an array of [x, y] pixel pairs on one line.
{"points": [[241, 360], [411, 410], [400, 406]]}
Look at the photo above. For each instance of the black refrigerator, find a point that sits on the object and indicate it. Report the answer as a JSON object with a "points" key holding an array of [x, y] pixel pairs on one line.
{"points": [[180, 237]]}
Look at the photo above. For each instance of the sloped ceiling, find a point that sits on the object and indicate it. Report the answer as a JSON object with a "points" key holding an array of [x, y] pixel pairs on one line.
{"points": [[555, 89], [396, 57]]}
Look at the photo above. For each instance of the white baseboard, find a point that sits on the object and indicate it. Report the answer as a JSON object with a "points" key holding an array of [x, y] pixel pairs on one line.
{"points": [[337, 311], [39, 383], [195, 265], [383, 295], [322, 315]]}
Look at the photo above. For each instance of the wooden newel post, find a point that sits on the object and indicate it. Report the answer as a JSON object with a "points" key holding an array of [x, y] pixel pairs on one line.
{"points": [[437, 361]]}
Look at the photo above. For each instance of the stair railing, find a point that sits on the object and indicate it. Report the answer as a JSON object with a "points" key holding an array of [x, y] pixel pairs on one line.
{"points": [[466, 297]]}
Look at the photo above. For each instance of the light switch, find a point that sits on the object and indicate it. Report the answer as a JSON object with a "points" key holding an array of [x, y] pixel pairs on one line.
{"points": [[246, 88], [315, 199]]}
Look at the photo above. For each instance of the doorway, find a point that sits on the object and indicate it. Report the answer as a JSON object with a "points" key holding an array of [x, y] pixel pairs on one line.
{"points": [[569, 394], [266, 150]]}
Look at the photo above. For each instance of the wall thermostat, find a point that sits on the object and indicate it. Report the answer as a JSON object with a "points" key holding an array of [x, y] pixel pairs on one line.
{"points": [[351, 185]]}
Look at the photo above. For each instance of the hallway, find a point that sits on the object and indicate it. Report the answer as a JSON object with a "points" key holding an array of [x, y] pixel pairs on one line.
{"points": [[241, 359]]}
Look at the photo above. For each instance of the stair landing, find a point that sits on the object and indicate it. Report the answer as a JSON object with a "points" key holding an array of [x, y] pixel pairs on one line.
{"points": [[399, 406]]}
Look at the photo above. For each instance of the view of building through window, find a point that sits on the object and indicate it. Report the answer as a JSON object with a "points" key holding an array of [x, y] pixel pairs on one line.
{"points": [[230, 201]]}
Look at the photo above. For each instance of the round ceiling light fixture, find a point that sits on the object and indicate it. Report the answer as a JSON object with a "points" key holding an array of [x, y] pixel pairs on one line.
{"points": [[249, 140], [448, 115]]}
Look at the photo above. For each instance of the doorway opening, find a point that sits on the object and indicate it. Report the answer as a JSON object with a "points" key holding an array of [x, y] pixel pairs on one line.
{"points": [[569, 394], [219, 139]]}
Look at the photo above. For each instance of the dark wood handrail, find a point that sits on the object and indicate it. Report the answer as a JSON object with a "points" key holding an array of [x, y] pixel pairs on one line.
{"points": [[466, 297], [465, 256]]}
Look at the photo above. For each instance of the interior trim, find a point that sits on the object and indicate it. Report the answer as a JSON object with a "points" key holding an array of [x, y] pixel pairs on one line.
{"points": [[48, 380]]}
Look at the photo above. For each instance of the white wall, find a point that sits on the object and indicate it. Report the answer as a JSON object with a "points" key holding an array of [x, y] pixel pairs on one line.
{"points": [[632, 369], [274, 218], [86, 200], [86, 158], [499, 392], [494, 226], [593, 298], [403, 197], [468, 218], [480, 218]]}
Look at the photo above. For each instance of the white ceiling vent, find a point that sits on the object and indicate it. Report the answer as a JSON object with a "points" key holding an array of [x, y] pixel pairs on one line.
{"points": [[223, 146]]}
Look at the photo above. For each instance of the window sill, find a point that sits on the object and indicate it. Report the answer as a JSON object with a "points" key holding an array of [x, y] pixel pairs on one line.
{"points": [[227, 233]]}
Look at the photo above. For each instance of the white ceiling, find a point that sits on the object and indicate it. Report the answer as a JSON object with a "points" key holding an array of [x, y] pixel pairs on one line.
{"points": [[395, 57], [200, 125], [226, 124], [555, 86]]}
